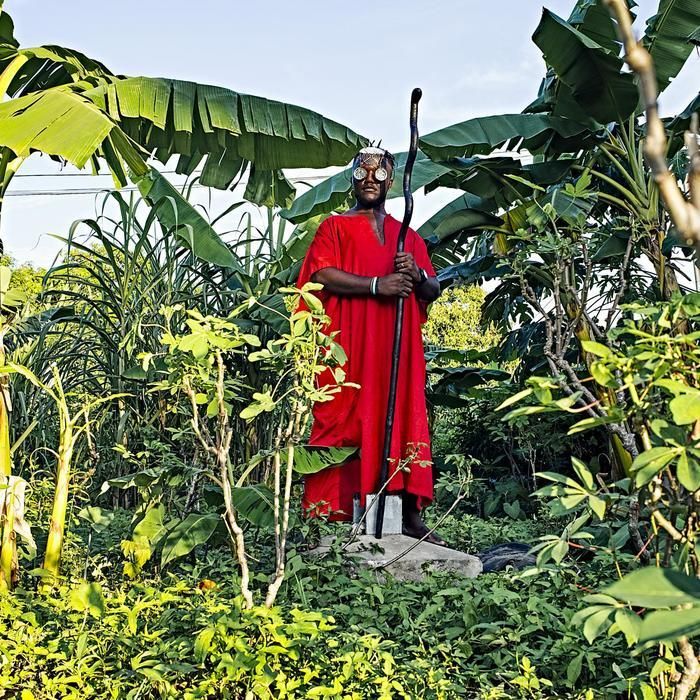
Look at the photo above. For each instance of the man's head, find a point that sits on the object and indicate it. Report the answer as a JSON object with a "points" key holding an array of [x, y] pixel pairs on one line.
{"points": [[372, 175]]}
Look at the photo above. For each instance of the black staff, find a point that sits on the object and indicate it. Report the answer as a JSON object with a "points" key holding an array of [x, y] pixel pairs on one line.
{"points": [[398, 327]]}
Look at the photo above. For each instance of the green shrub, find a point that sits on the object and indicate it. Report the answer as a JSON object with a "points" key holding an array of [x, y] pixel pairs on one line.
{"points": [[335, 634]]}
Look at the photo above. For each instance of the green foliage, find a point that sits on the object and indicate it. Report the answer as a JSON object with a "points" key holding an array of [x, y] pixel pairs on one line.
{"points": [[190, 637], [194, 530], [455, 321], [26, 278], [470, 533], [650, 362]]}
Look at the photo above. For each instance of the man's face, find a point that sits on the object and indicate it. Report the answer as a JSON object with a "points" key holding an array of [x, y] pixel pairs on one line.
{"points": [[370, 191]]}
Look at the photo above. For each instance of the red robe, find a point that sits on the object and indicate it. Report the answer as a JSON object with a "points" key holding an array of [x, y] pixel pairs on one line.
{"points": [[366, 323]]}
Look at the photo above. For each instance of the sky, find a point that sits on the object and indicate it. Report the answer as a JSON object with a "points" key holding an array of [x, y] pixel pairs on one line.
{"points": [[355, 63]]}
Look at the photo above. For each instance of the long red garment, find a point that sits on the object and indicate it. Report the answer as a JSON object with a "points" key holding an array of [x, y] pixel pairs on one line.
{"points": [[366, 332]]}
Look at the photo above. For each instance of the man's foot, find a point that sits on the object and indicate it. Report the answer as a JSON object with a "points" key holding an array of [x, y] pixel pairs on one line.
{"points": [[413, 525], [419, 534]]}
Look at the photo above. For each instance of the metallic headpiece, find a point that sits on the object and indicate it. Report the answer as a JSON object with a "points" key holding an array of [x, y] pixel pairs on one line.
{"points": [[375, 157]]}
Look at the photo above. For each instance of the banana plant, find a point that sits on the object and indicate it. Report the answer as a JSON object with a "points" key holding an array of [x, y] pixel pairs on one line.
{"points": [[73, 108], [585, 118]]}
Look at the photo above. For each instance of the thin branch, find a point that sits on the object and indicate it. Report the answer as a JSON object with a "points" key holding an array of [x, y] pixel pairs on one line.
{"points": [[691, 670]]}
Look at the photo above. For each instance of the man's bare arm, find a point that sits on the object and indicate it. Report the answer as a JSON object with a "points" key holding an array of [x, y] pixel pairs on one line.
{"points": [[428, 290], [339, 282]]}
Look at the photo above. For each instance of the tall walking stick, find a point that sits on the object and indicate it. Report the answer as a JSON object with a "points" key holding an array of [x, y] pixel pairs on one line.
{"points": [[398, 327]]}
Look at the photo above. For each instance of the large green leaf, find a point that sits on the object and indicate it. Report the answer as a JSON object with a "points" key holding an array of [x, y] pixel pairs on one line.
{"points": [[592, 73], [482, 267], [331, 194], [484, 134], [152, 526], [668, 37], [61, 122], [682, 120], [455, 380], [464, 203], [309, 459], [488, 178], [191, 228], [45, 67], [566, 205], [7, 28], [254, 503], [425, 172], [266, 188], [195, 121], [669, 625], [592, 18], [58, 122], [194, 530], [467, 213], [685, 409], [654, 587]]}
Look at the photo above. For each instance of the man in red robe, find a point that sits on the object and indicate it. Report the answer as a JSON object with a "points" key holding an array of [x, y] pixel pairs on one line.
{"points": [[354, 256]]}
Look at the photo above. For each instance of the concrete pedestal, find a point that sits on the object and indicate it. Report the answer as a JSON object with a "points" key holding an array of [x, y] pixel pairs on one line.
{"points": [[393, 515]]}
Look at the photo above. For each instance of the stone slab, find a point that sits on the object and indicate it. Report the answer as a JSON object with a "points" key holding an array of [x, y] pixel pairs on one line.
{"points": [[374, 554]]}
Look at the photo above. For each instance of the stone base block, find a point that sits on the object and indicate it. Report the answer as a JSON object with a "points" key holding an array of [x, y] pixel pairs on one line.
{"points": [[393, 515]]}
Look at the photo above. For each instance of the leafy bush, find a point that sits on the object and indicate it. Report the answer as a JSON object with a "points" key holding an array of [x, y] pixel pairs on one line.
{"points": [[190, 636]]}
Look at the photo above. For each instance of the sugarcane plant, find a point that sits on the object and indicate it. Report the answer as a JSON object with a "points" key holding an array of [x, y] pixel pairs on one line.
{"points": [[12, 488], [73, 424]]}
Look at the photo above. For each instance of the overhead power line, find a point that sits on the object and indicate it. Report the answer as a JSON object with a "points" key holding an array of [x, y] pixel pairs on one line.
{"points": [[73, 191]]}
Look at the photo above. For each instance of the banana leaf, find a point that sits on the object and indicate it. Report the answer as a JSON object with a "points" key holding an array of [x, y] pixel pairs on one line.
{"points": [[195, 121], [455, 383], [457, 218], [592, 73], [681, 122], [485, 134], [191, 228], [61, 122], [488, 179], [593, 19], [44, 67], [465, 202], [668, 37], [7, 28], [309, 459], [479, 268]]}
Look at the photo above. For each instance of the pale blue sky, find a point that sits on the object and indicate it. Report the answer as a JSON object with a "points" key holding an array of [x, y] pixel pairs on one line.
{"points": [[355, 63]]}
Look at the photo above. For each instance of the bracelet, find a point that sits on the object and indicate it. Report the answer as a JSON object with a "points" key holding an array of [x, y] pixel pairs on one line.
{"points": [[373, 286]]}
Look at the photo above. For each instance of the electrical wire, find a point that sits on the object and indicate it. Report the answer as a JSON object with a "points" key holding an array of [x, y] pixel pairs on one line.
{"points": [[68, 191]]}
